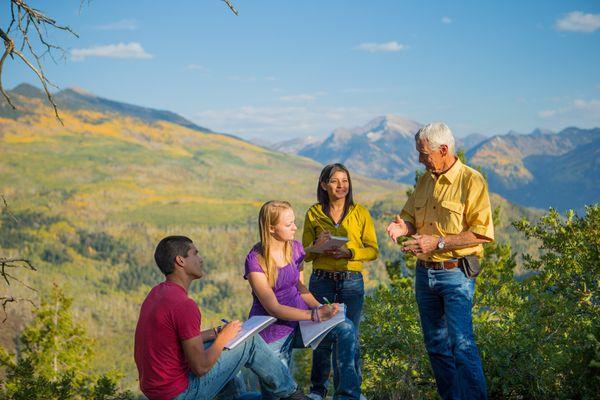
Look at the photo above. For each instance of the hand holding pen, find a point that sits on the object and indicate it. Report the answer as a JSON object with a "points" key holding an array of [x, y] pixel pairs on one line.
{"points": [[328, 310], [229, 331]]}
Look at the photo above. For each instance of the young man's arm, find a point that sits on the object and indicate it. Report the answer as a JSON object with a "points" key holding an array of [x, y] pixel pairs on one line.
{"points": [[210, 334], [201, 360]]}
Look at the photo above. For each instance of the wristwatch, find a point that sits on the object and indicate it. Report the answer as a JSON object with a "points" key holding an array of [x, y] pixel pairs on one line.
{"points": [[441, 243]]}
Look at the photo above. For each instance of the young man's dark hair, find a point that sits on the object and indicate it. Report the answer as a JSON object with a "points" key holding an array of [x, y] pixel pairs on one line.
{"points": [[169, 248]]}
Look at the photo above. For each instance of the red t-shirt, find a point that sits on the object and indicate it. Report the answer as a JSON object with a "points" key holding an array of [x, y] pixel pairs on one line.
{"points": [[168, 317]]}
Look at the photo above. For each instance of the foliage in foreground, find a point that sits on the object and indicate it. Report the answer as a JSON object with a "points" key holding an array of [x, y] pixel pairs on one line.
{"points": [[53, 359], [538, 335]]}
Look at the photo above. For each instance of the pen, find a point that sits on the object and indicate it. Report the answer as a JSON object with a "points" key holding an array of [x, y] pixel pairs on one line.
{"points": [[223, 320], [326, 301]]}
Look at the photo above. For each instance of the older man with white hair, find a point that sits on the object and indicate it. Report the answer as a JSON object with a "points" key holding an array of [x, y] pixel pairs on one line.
{"points": [[444, 223]]}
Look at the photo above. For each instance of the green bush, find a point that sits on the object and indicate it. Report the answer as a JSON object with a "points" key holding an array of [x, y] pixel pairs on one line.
{"points": [[538, 335], [52, 360]]}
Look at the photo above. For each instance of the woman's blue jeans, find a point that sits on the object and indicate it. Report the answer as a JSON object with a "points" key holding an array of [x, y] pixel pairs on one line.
{"points": [[255, 354], [351, 292], [445, 299], [346, 375]]}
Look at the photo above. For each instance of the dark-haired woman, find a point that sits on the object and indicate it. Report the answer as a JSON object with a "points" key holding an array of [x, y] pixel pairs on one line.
{"points": [[336, 274]]}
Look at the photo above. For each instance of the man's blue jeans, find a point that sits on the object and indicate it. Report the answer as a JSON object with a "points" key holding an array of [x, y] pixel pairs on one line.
{"points": [[445, 300], [351, 292], [254, 353], [346, 377]]}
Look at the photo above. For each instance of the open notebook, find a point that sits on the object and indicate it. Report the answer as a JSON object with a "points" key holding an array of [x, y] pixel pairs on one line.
{"points": [[334, 242], [253, 325], [314, 332]]}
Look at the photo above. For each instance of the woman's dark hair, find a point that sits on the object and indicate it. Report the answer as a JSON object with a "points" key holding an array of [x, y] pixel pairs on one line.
{"points": [[169, 248], [323, 197]]}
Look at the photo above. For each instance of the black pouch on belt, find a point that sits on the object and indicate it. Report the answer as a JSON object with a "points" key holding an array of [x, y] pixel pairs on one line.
{"points": [[471, 266]]}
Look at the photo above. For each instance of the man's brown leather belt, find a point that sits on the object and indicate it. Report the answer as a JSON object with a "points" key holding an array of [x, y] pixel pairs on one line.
{"points": [[439, 264]]}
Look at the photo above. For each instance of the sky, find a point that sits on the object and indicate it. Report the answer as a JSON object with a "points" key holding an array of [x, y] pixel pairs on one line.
{"points": [[285, 69]]}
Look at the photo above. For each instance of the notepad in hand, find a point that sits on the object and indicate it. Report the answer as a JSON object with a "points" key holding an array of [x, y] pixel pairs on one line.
{"points": [[314, 332], [253, 325], [334, 242]]}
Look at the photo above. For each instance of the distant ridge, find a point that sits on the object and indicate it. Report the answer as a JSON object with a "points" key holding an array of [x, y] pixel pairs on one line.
{"points": [[543, 169], [79, 99]]}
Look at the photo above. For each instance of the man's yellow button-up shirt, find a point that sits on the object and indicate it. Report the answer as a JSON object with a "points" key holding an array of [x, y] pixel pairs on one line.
{"points": [[453, 202]]}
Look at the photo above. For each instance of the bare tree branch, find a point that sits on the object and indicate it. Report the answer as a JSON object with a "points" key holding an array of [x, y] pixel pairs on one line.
{"points": [[5, 208], [231, 7], [10, 299], [6, 264], [23, 17]]}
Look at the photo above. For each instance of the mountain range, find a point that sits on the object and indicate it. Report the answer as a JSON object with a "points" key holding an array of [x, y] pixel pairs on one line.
{"points": [[541, 169]]}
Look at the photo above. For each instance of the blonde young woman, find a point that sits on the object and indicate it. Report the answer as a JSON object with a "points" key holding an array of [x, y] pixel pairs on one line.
{"points": [[274, 270], [336, 275]]}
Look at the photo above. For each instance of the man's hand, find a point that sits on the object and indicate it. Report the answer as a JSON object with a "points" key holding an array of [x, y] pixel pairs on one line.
{"points": [[421, 244], [397, 228], [229, 331], [328, 311]]}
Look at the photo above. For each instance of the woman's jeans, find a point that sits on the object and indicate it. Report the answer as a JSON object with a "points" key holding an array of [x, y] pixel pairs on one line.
{"points": [[351, 292], [346, 374], [445, 299], [254, 353]]}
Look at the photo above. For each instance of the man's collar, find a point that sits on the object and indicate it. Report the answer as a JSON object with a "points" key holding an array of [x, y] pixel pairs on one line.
{"points": [[452, 173]]}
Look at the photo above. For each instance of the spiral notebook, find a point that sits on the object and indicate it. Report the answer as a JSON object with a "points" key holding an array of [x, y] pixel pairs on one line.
{"points": [[314, 332], [253, 325]]}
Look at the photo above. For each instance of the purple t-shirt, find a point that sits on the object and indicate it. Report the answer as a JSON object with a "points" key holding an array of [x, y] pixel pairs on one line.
{"points": [[285, 290]]}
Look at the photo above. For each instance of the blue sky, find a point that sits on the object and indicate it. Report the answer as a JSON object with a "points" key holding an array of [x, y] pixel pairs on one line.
{"points": [[284, 69]]}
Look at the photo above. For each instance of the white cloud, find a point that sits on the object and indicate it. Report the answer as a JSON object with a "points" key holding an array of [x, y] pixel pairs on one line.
{"points": [[299, 97], [120, 50], [446, 20], [281, 122], [303, 96], [122, 25], [577, 21], [196, 67], [547, 113], [387, 47], [363, 90], [241, 78], [250, 78], [577, 112]]}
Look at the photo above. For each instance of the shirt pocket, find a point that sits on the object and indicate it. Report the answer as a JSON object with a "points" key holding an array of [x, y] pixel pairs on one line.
{"points": [[450, 217], [420, 211]]}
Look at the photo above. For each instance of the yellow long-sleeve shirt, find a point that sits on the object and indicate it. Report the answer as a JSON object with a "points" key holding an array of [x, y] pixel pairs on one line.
{"points": [[357, 226]]}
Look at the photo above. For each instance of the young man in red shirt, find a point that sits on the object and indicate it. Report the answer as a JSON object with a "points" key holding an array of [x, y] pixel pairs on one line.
{"points": [[172, 358]]}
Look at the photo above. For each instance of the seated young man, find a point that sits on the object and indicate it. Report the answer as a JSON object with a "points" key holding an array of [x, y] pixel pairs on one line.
{"points": [[170, 353]]}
